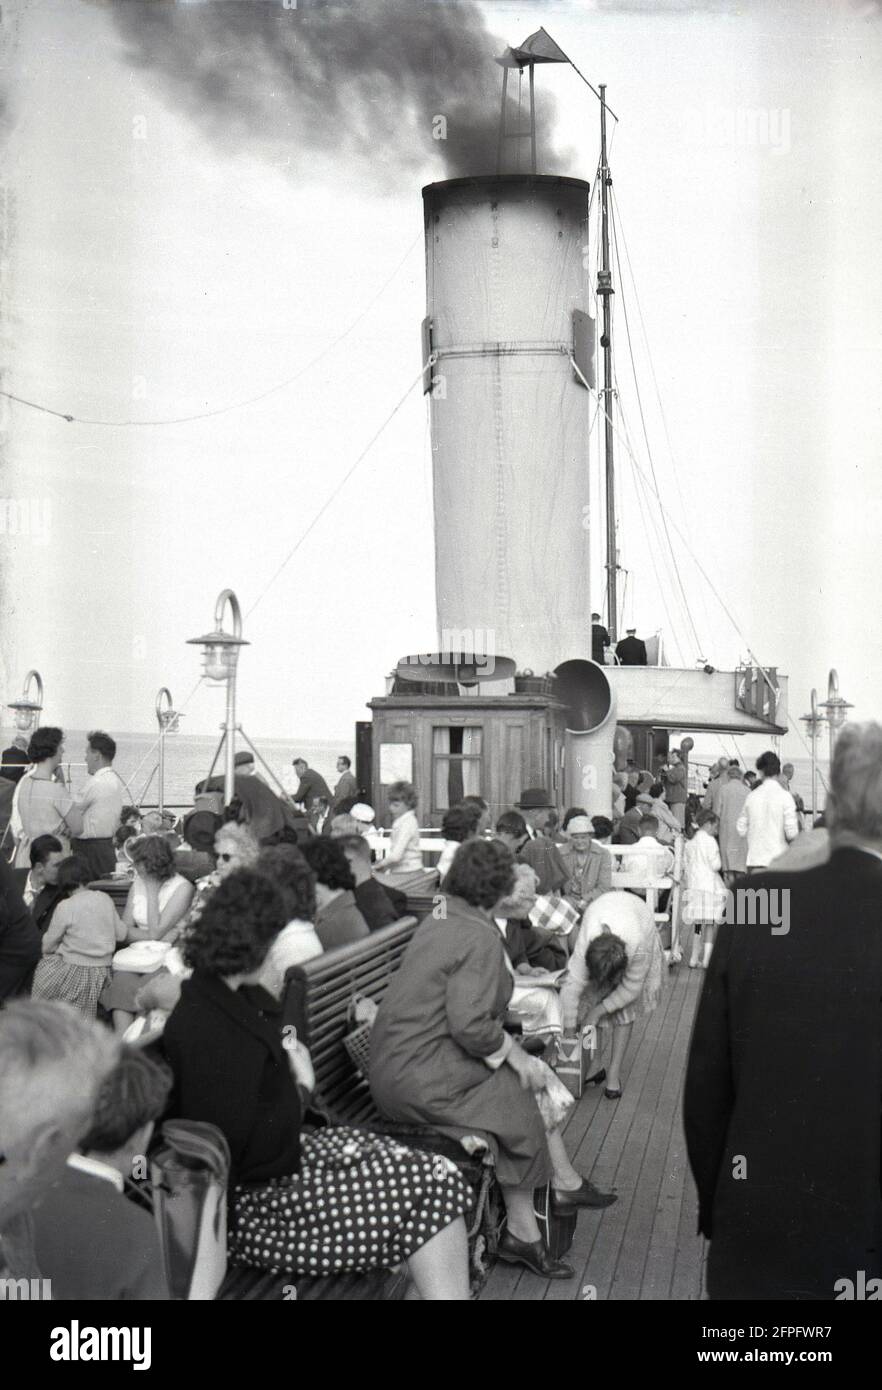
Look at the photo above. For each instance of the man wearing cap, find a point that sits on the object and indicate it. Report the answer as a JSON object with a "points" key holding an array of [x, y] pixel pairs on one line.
{"points": [[311, 785], [599, 640], [541, 853], [263, 812], [631, 651], [588, 865]]}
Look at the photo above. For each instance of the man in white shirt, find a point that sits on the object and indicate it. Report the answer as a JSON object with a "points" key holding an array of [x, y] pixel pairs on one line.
{"points": [[769, 820], [101, 806]]}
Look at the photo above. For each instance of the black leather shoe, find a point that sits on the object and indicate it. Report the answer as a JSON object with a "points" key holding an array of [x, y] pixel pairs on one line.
{"points": [[533, 1256], [613, 1095], [585, 1196], [596, 1079]]}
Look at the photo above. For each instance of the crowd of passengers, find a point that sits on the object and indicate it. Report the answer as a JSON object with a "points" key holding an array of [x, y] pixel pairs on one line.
{"points": [[174, 1010]]}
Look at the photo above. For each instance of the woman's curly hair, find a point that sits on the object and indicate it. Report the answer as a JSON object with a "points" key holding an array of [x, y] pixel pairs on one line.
{"points": [[238, 924], [482, 872], [289, 871], [156, 855], [45, 743]]}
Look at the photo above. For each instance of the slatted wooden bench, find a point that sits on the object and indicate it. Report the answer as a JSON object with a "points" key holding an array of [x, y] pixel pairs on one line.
{"points": [[317, 1003]]}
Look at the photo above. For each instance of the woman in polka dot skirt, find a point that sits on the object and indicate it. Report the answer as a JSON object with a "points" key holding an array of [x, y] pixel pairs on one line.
{"points": [[316, 1203]]}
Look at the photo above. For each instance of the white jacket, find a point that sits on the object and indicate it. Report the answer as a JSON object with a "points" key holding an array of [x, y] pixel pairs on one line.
{"points": [[769, 821]]}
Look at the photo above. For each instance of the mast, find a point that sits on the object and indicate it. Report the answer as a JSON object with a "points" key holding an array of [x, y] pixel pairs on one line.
{"points": [[604, 290]]}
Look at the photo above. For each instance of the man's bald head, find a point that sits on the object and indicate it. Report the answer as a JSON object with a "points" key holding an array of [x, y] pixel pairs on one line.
{"points": [[52, 1062]]}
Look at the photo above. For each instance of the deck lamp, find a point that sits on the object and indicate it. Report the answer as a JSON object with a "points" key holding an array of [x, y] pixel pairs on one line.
{"points": [[27, 710], [813, 721], [836, 708], [220, 658], [167, 718]]}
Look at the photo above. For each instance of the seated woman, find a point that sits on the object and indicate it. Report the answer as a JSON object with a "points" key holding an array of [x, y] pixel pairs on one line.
{"points": [[627, 917], [158, 900], [312, 1203], [298, 941], [337, 919], [440, 1055], [404, 857], [79, 943], [588, 864]]}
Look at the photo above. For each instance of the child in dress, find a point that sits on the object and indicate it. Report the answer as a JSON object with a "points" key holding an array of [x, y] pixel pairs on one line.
{"points": [[705, 897], [79, 942]]}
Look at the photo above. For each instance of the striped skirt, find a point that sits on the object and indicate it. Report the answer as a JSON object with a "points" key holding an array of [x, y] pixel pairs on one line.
{"points": [[80, 985]]}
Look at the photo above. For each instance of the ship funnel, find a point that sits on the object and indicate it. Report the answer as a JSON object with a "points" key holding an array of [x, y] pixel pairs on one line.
{"points": [[508, 305], [590, 702]]}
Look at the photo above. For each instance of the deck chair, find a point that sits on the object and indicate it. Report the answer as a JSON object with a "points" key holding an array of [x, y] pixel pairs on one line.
{"points": [[651, 889]]}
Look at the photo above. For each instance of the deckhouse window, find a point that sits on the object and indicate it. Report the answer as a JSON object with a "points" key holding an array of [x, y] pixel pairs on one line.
{"points": [[456, 765]]}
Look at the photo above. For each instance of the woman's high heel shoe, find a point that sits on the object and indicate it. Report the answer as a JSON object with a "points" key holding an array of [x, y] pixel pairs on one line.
{"points": [[597, 1078], [533, 1255]]}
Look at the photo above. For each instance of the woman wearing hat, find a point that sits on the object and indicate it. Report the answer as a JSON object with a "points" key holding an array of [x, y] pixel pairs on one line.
{"points": [[589, 867]]}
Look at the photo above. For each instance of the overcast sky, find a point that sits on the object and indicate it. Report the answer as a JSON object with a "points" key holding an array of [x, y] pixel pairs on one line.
{"points": [[159, 266]]}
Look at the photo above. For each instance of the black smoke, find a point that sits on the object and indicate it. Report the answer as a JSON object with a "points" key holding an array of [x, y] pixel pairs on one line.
{"points": [[373, 81]]}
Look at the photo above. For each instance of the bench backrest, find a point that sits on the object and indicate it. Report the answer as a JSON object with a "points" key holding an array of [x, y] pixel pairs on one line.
{"points": [[318, 996]]}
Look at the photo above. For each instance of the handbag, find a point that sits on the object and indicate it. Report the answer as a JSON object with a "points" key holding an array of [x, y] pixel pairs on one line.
{"points": [[361, 1013]]}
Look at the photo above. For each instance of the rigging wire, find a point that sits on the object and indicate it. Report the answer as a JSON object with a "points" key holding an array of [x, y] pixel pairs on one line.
{"points": [[646, 510], [430, 362], [699, 566], [234, 405], [658, 395], [676, 567]]}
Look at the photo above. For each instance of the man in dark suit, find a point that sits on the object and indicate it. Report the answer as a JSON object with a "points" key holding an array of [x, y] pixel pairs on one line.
{"points": [[599, 640], [90, 1241], [39, 884], [19, 938], [631, 651], [379, 906], [781, 1109]]}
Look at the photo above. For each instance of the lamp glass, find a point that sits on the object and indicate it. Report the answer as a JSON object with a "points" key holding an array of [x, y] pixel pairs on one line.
{"points": [[215, 662], [24, 720]]}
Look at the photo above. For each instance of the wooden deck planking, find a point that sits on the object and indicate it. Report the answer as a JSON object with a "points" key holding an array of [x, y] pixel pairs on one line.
{"points": [[628, 1278], [644, 1247]]}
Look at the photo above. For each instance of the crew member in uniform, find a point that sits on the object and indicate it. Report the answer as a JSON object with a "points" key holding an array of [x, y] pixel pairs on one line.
{"points": [[631, 651]]}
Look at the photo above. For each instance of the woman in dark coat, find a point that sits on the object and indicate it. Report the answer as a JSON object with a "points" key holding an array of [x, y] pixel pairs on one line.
{"points": [[440, 1056], [311, 1203]]}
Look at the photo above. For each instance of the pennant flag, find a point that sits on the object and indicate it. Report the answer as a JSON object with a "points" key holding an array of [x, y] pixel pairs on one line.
{"points": [[539, 48]]}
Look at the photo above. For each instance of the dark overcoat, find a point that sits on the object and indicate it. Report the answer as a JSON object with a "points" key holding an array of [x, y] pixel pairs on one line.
{"points": [[783, 1086]]}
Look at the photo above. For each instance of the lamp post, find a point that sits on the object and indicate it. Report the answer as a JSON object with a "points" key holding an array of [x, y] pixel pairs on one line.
{"points": [[813, 722], [836, 708], [29, 707], [220, 657], [167, 718]]}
